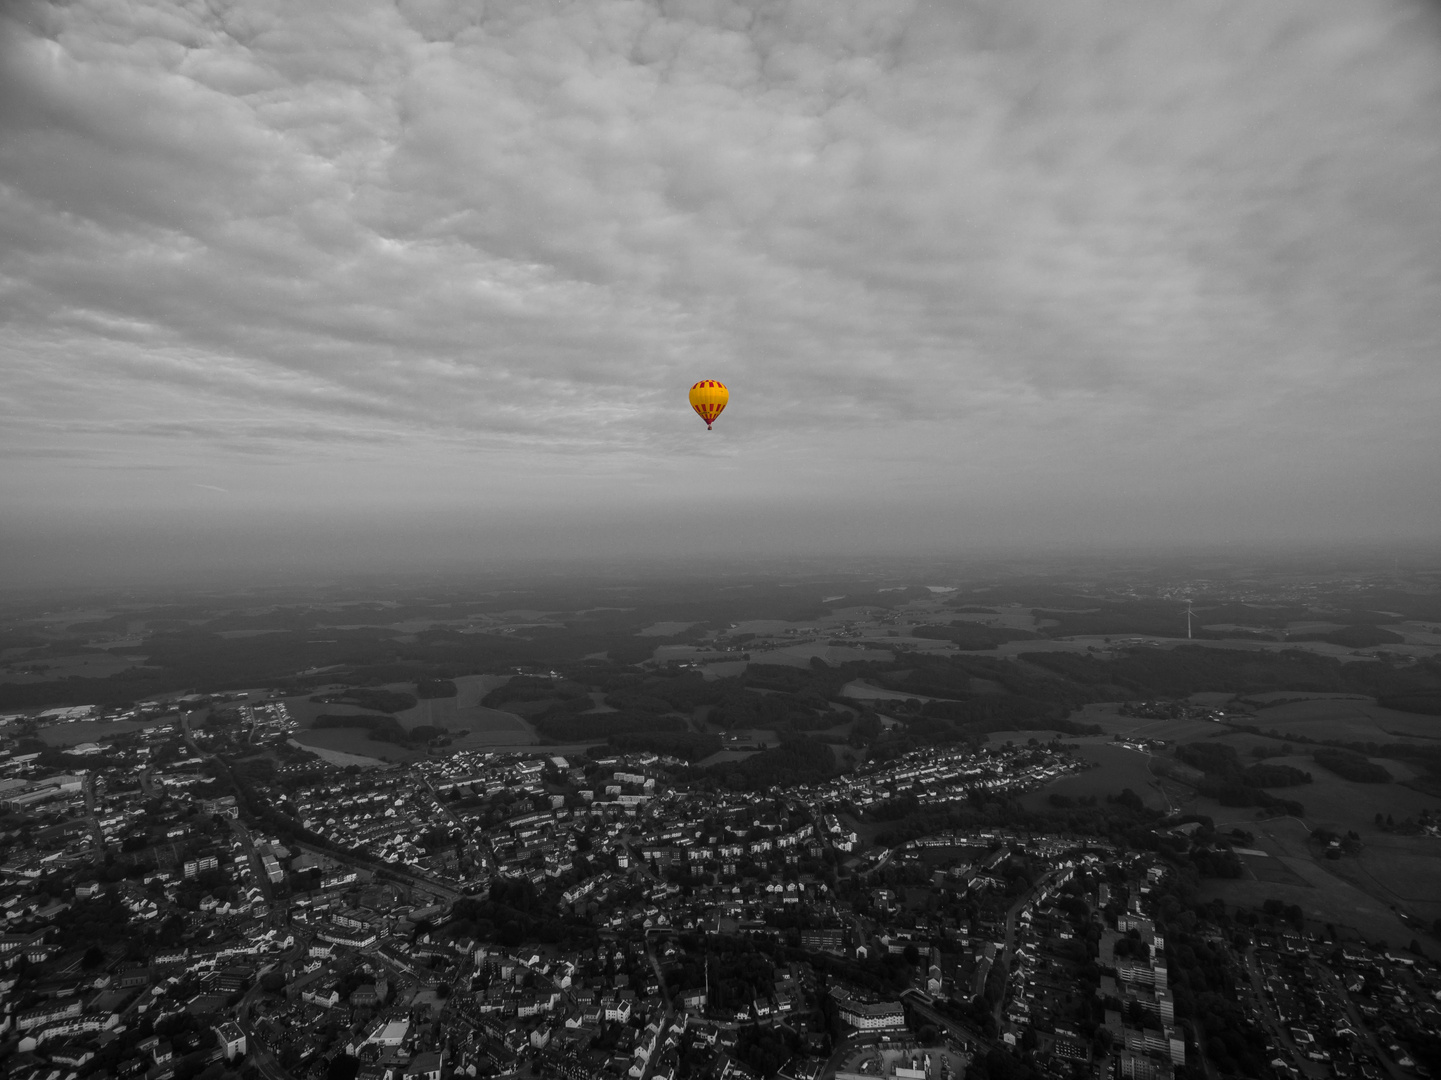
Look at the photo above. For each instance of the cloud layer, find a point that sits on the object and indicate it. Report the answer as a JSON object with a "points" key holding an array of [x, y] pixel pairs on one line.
{"points": [[1013, 252]]}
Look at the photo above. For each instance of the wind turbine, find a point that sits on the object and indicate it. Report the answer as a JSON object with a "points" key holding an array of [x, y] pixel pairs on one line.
{"points": [[1188, 620]]}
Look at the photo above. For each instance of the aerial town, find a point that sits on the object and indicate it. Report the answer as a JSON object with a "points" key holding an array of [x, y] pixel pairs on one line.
{"points": [[173, 911]]}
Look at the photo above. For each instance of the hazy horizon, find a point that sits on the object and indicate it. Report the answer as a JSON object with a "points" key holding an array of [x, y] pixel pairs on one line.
{"points": [[378, 287], [194, 557]]}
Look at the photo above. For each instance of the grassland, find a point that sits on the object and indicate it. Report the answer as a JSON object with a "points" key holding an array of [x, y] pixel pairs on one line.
{"points": [[1321, 889], [94, 665], [861, 690], [1348, 719], [340, 757], [721, 756], [1117, 769], [1391, 871], [665, 629], [354, 743], [1402, 870], [1330, 802], [1108, 716], [472, 725], [84, 731]]}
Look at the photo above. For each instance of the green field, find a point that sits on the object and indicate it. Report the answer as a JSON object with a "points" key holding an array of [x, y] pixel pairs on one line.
{"points": [[1108, 716], [471, 725], [341, 757], [1390, 870], [1323, 890], [1330, 801], [1118, 769], [1403, 870], [84, 731], [1349, 720], [96, 665]]}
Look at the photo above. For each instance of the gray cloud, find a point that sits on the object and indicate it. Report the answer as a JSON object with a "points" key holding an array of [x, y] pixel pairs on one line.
{"points": [[968, 248]]}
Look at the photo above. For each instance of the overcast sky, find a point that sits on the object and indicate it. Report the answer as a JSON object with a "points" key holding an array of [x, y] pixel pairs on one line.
{"points": [[373, 281]]}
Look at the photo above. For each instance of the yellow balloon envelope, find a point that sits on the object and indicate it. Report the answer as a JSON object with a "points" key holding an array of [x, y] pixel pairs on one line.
{"points": [[708, 398]]}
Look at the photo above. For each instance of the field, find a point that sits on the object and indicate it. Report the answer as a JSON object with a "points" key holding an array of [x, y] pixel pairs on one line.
{"points": [[860, 690], [1108, 716], [800, 655], [665, 629], [1347, 719], [725, 670], [1391, 871], [472, 725], [343, 744], [358, 742], [725, 755], [84, 731], [1330, 802], [1118, 769], [1417, 633], [96, 665], [1292, 876], [340, 757]]}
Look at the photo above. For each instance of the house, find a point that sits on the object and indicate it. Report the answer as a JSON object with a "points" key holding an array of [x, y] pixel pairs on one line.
{"points": [[232, 1039], [425, 1066]]}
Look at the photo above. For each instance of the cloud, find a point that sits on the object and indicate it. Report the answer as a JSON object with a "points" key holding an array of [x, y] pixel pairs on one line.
{"points": [[1071, 239]]}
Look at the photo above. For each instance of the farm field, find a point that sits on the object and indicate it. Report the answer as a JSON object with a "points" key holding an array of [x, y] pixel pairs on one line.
{"points": [[83, 731], [1330, 801], [1244, 742], [355, 743], [1009, 617], [724, 670], [800, 655], [1108, 716], [464, 711], [1119, 769], [1323, 895], [721, 756], [1417, 633], [1349, 719], [688, 653], [860, 690], [472, 725], [1391, 870], [97, 665], [341, 758], [664, 629], [1403, 870], [1278, 696], [1272, 871]]}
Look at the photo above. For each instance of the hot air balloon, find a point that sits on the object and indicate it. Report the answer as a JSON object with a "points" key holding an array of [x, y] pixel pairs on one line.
{"points": [[708, 398]]}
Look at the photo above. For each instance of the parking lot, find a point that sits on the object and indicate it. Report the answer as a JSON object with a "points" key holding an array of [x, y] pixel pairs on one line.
{"points": [[881, 1060]]}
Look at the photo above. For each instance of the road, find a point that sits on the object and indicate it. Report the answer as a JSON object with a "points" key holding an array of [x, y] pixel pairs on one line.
{"points": [[955, 1028], [256, 1050], [399, 874], [1008, 953], [256, 866], [1279, 1035], [477, 856], [655, 967], [404, 876], [92, 817], [1323, 974]]}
